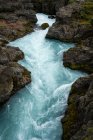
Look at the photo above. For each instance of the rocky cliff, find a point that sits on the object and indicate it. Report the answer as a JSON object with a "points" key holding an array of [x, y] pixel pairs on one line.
{"points": [[78, 120], [12, 75], [74, 23], [48, 6], [17, 18]]}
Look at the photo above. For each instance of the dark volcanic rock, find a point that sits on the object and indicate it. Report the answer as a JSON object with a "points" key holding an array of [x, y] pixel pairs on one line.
{"points": [[68, 13], [12, 78], [17, 18], [80, 58], [6, 83], [3, 41], [67, 28], [78, 120], [27, 14], [44, 26], [49, 6], [72, 32], [73, 25], [8, 54], [21, 76]]}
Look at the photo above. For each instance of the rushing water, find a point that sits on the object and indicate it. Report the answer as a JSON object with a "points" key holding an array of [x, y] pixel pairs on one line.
{"points": [[35, 112]]}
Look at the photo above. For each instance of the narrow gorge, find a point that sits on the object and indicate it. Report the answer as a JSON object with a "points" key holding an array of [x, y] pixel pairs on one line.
{"points": [[46, 70], [35, 112]]}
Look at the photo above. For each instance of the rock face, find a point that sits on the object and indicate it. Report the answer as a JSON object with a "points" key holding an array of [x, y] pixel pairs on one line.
{"points": [[78, 121], [69, 32], [80, 57], [16, 18], [73, 24], [67, 28], [12, 77], [48, 6], [9, 54]]}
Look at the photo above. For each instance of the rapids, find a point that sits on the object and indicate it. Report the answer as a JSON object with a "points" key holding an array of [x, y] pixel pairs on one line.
{"points": [[34, 113]]}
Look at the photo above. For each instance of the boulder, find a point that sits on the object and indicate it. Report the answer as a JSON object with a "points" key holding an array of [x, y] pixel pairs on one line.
{"points": [[12, 78], [8, 54], [44, 26], [79, 58], [21, 76]]}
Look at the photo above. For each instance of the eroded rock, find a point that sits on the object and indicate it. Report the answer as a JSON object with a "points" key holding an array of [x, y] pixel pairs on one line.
{"points": [[44, 26], [8, 54], [78, 120], [17, 18], [80, 58], [12, 78]]}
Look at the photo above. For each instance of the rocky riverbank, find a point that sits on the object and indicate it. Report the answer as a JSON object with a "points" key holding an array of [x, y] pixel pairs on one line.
{"points": [[49, 7], [74, 23], [17, 18], [13, 76]]}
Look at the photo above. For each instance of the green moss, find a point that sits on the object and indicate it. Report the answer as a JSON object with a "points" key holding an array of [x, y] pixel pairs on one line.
{"points": [[88, 138], [86, 13], [91, 21], [70, 118], [90, 130]]}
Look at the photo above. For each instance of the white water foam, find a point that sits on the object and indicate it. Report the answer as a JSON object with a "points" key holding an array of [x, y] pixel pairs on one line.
{"points": [[35, 112]]}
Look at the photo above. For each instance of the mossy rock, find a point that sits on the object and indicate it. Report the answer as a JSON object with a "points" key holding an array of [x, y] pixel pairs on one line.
{"points": [[91, 21], [44, 26]]}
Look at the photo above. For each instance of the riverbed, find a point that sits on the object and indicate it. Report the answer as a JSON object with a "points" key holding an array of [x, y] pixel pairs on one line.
{"points": [[35, 112]]}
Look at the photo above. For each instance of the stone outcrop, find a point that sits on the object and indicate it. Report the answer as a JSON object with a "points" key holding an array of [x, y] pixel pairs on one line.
{"points": [[13, 76], [48, 6], [9, 54], [69, 26], [17, 18], [78, 120], [73, 24], [80, 57]]}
